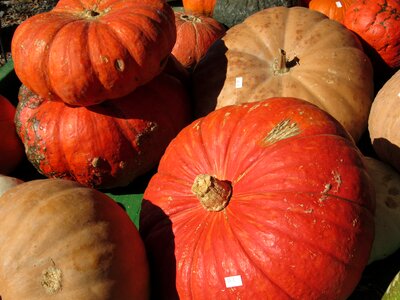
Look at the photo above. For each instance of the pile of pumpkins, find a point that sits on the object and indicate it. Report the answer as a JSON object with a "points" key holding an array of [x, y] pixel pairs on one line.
{"points": [[252, 116]]}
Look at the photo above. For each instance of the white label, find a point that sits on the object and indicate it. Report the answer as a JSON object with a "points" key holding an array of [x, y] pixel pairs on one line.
{"points": [[239, 82], [233, 281], [339, 4]]}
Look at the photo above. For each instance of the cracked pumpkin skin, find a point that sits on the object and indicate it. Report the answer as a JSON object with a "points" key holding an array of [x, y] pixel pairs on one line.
{"points": [[75, 243], [273, 191], [84, 51]]}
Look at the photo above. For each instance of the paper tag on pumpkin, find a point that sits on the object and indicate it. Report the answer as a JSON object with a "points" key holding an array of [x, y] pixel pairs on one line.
{"points": [[239, 82], [233, 281], [339, 4]]}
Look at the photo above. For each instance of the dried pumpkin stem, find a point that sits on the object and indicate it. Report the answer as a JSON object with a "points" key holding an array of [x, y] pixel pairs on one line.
{"points": [[190, 18], [214, 194], [282, 65]]}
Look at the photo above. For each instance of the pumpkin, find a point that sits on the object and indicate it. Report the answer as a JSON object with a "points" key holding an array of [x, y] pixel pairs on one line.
{"points": [[105, 145], [387, 214], [194, 35], [334, 9], [288, 52], [268, 199], [384, 123], [377, 22], [7, 182], [60, 240], [204, 7], [11, 149], [230, 12], [84, 52]]}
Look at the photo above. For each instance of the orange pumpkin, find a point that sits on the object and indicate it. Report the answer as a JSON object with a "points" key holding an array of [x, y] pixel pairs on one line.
{"points": [[195, 34], [334, 9], [205, 7], [84, 52], [11, 149]]}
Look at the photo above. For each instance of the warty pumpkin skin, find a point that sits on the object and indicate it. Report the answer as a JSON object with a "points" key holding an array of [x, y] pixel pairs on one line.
{"points": [[195, 34], [377, 22], [289, 52], [384, 122], [85, 52], [11, 149], [105, 145], [274, 192], [60, 240]]}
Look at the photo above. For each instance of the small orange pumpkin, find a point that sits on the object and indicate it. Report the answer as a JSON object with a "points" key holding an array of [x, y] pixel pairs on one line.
{"points": [[195, 34]]}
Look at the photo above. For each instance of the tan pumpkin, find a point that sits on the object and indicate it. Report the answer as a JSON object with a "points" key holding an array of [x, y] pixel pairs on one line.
{"points": [[7, 182], [60, 240], [387, 213], [384, 122], [288, 52]]}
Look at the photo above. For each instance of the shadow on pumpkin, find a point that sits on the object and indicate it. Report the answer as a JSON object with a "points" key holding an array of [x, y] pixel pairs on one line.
{"points": [[208, 79], [387, 152], [156, 231]]}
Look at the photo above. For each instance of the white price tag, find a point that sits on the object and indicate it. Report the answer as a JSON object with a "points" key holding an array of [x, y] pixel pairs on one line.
{"points": [[233, 281], [239, 82], [339, 4]]}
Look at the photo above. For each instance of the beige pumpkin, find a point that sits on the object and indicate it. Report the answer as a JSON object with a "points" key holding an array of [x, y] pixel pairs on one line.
{"points": [[60, 240], [387, 214], [7, 182], [288, 52], [384, 122]]}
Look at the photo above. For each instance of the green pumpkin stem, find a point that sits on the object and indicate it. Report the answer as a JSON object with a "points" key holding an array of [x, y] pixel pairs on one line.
{"points": [[214, 194]]}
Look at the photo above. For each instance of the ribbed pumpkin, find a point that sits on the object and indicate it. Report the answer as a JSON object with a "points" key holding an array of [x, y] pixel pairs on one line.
{"points": [[105, 145], [289, 52], [377, 22], [84, 52], [60, 240], [384, 122], [334, 9], [11, 149], [264, 200], [194, 35]]}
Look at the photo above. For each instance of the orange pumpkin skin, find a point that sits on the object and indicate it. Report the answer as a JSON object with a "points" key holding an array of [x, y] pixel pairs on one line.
{"points": [[334, 9], [85, 52], [377, 22], [11, 149], [74, 243], [195, 34], [291, 214], [204, 7], [105, 145]]}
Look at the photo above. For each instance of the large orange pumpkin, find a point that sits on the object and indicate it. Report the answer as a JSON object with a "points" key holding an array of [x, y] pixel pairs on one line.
{"points": [[104, 145], [290, 52], [60, 240], [84, 51], [11, 148], [264, 200]]}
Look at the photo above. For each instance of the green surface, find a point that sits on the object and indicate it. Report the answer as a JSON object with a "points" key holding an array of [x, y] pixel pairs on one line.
{"points": [[6, 70], [131, 204]]}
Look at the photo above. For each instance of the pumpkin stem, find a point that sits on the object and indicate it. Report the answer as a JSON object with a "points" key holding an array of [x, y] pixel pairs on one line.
{"points": [[190, 18], [282, 64], [214, 194]]}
